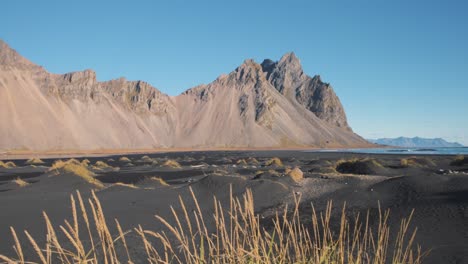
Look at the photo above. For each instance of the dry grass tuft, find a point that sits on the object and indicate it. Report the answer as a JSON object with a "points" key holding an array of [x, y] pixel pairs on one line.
{"points": [[295, 174], [85, 162], [241, 162], [274, 162], [252, 160], [101, 164], [7, 165], [459, 160], [416, 162], [172, 164], [34, 161], [20, 182], [76, 168], [238, 237], [358, 166], [125, 160], [146, 159]]}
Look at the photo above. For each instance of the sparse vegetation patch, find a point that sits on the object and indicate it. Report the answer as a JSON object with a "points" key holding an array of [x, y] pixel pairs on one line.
{"points": [[7, 165], [20, 182], [75, 168], [358, 166], [172, 164], [274, 162], [459, 160], [34, 161]]}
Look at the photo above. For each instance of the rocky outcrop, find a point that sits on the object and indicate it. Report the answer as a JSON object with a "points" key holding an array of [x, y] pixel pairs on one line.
{"points": [[288, 78], [273, 104]]}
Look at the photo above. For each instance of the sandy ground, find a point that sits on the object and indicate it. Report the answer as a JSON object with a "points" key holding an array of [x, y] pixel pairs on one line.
{"points": [[429, 184]]}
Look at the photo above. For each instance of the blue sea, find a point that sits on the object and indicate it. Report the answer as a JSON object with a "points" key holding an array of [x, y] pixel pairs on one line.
{"points": [[401, 151]]}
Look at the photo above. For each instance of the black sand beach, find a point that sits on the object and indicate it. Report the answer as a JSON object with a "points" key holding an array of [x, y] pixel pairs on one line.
{"points": [[435, 187]]}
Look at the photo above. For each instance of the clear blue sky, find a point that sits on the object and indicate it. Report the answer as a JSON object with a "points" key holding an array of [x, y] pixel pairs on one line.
{"points": [[399, 67]]}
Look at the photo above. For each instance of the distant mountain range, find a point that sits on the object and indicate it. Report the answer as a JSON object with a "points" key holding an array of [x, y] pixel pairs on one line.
{"points": [[416, 142], [272, 104]]}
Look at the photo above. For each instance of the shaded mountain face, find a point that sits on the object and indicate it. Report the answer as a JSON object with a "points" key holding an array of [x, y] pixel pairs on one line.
{"points": [[416, 142], [273, 104]]}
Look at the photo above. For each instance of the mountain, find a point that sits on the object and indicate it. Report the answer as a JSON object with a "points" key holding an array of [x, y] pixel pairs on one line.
{"points": [[272, 104], [416, 142]]}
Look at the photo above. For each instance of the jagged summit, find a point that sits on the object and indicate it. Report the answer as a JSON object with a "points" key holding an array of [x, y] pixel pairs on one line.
{"points": [[272, 104], [10, 57]]}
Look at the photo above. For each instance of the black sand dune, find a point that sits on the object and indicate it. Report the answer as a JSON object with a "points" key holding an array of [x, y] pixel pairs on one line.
{"points": [[431, 185]]}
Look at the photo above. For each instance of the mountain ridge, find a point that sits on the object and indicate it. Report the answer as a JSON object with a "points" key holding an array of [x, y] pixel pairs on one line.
{"points": [[415, 142], [255, 105]]}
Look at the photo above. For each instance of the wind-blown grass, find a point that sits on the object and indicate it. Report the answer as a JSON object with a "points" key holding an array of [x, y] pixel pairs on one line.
{"points": [[76, 168], [20, 182], [237, 237], [34, 161], [7, 165], [172, 164], [274, 162]]}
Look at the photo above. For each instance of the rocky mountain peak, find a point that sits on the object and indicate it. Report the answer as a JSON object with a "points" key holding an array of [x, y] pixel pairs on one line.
{"points": [[284, 74], [9, 57], [247, 72]]}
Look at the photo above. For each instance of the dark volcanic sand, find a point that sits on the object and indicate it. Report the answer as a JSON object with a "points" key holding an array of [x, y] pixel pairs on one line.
{"points": [[440, 198]]}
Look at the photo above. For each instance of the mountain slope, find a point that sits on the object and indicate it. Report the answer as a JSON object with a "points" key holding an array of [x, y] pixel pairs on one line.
{"points": [[269, 105], [416, 142]]}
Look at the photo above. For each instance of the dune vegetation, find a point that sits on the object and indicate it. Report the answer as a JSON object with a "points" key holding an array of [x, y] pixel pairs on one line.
{"points": [[358, 166], [172, 164], [238, 237], [20, 182], [125, 160], [159, 181], [274, 162], [76, 168], [459, 160], [295, 174], [7, 165], [34, 161]]}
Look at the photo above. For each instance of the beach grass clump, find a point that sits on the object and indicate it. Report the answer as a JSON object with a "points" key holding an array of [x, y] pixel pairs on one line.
{"points": [[7, 165], [172, 164], [146, 159], [237, 236], [358, 166], [252, 160], [125, 160], [295, 174], [76, 168], [20, 182], [34, 161], [459, 160], [274, 162], [101, 165], [241, 162], [416, 162], [85, 162]]}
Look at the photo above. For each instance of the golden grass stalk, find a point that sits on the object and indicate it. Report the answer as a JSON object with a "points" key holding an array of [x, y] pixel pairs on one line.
{"points": [[127, 185], [237, 235]]}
